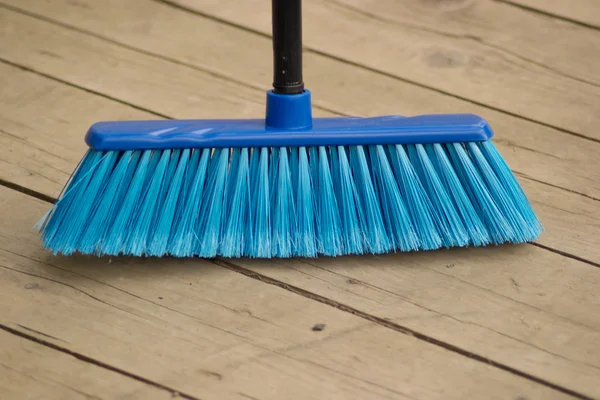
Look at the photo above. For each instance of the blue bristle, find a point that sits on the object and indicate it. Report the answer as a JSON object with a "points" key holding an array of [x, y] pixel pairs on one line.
{"points": [[210, 223], [479, 195], [294, 160], [353, 222], [261, 205], [183, 241], [234, 236], [88, 198], [417, 208], [446, 217], [478, 234], [305, 240], [188, 179], [285, 202], [284, 213], [138, 238], [120, 230], [376, 238], [93, 233], [521, 231], [512, 187], [174, 183], [62, 211], [328, 223]]}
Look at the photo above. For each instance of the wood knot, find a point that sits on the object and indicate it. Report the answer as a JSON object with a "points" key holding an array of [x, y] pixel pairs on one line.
{"points": [[448, 5], [445, 59], [32, 286], [318, 327]]}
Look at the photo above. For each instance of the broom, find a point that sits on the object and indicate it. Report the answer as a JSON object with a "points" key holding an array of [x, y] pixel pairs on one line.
{"points": [[288, 185]]}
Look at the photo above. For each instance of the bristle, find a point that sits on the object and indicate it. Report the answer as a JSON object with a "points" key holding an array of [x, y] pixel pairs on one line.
{"points": [[234, 235], [138, 238], [414, 220], [305, 238], [478, 234], [443, 212], [260, 226], [479, 194], [376, 238], [120, 231], [184, 239], [210, 223], [512, 187], [328, 223], [286, 202], [166, 215], [351, 216], [102, 217], [60, 212]]}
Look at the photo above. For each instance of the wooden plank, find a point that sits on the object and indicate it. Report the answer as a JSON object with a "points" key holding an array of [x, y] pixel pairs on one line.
{"points": [[34, 371], [215, 334], [461, 66], [555, 45], [42, 124], [583, 11], [537, 151], [524, 307]]}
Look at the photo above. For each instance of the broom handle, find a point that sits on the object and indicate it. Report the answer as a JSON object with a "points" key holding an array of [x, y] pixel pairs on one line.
{"points": [[287, 46]]}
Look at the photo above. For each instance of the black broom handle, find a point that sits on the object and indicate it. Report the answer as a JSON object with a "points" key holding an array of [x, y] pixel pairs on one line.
{"points": [[287, 46]]}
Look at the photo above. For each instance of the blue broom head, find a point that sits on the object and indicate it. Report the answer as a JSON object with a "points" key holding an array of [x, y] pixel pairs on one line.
{"points": [[289, 186]]}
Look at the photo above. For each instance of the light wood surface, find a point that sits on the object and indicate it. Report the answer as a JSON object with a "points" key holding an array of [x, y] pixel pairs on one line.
{"points": [[461, 66], [516, 322], [31, 370], [209, 332], [585, 11]]}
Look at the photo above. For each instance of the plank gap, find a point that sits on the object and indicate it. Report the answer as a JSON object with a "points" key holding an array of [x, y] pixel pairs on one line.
{"points": [[174, 393], [525, 176], [475, 38], [391, 325], [27, 191], [33, 71], [564, 254], [548, 14]]}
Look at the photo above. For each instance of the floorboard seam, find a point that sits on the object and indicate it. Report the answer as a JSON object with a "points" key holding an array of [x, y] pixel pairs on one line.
{"points": [[391, 325], [174, 393], [548, 14]]}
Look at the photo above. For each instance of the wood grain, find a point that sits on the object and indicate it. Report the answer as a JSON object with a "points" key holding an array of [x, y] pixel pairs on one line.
{"points": [[554, 45], [584, 11], [460, 66], [33, 371], [537, 151], [521, 306], [211, 332], [170, 321]]}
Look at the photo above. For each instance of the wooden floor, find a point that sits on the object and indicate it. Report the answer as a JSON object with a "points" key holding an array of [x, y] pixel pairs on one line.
{"points": [[509, 322]]}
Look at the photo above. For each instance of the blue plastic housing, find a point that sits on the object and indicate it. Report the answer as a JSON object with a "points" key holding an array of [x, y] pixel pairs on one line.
{"points": [[288, 123]]}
